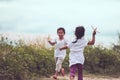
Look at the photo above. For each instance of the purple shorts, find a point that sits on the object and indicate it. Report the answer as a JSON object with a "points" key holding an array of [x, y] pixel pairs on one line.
{"points": [[79, 68]]}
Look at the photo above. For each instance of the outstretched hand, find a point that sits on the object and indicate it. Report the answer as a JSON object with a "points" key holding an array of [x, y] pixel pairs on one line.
{"points": [[94, 30]]}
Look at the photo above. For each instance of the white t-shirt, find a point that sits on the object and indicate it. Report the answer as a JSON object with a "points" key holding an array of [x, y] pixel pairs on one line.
{"points": [[58, 45], [76, 51]]}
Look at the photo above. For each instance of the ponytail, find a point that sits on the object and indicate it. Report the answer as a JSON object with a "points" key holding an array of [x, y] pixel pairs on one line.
{"points": [[79, 33]]}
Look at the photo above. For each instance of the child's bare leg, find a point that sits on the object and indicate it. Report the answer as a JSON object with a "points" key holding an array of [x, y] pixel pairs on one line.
{"points": [[55, 75], [62, 71], [71, 78]]}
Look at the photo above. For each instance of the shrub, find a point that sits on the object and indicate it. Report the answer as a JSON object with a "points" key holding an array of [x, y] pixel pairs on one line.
{"points": [[21, 61], [101, 60]]}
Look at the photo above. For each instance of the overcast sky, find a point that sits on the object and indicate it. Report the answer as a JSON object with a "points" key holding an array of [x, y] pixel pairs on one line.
{"points": [[45, 16]]}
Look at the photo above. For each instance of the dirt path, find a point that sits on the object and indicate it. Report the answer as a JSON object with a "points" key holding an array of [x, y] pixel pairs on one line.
{"points": [[86, 77]]}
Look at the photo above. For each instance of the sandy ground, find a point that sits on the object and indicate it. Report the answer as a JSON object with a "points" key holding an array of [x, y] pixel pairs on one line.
{"points": [[86, 77]]}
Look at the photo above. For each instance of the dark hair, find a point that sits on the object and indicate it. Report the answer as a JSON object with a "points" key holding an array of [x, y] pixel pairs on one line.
{"points": [[79, 33], [61, 28]]}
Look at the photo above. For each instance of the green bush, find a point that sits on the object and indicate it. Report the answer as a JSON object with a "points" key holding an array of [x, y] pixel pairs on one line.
{"points": [[101, 60], [19, 61]]}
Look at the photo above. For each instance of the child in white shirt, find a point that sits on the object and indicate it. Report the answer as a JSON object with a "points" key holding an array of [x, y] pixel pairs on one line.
{"points": [[76, 56], [58, 54]]}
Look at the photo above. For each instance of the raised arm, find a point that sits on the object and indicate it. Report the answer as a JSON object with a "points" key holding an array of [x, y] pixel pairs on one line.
{"points": [[49, 41], [52, 43], [93, 37]]}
